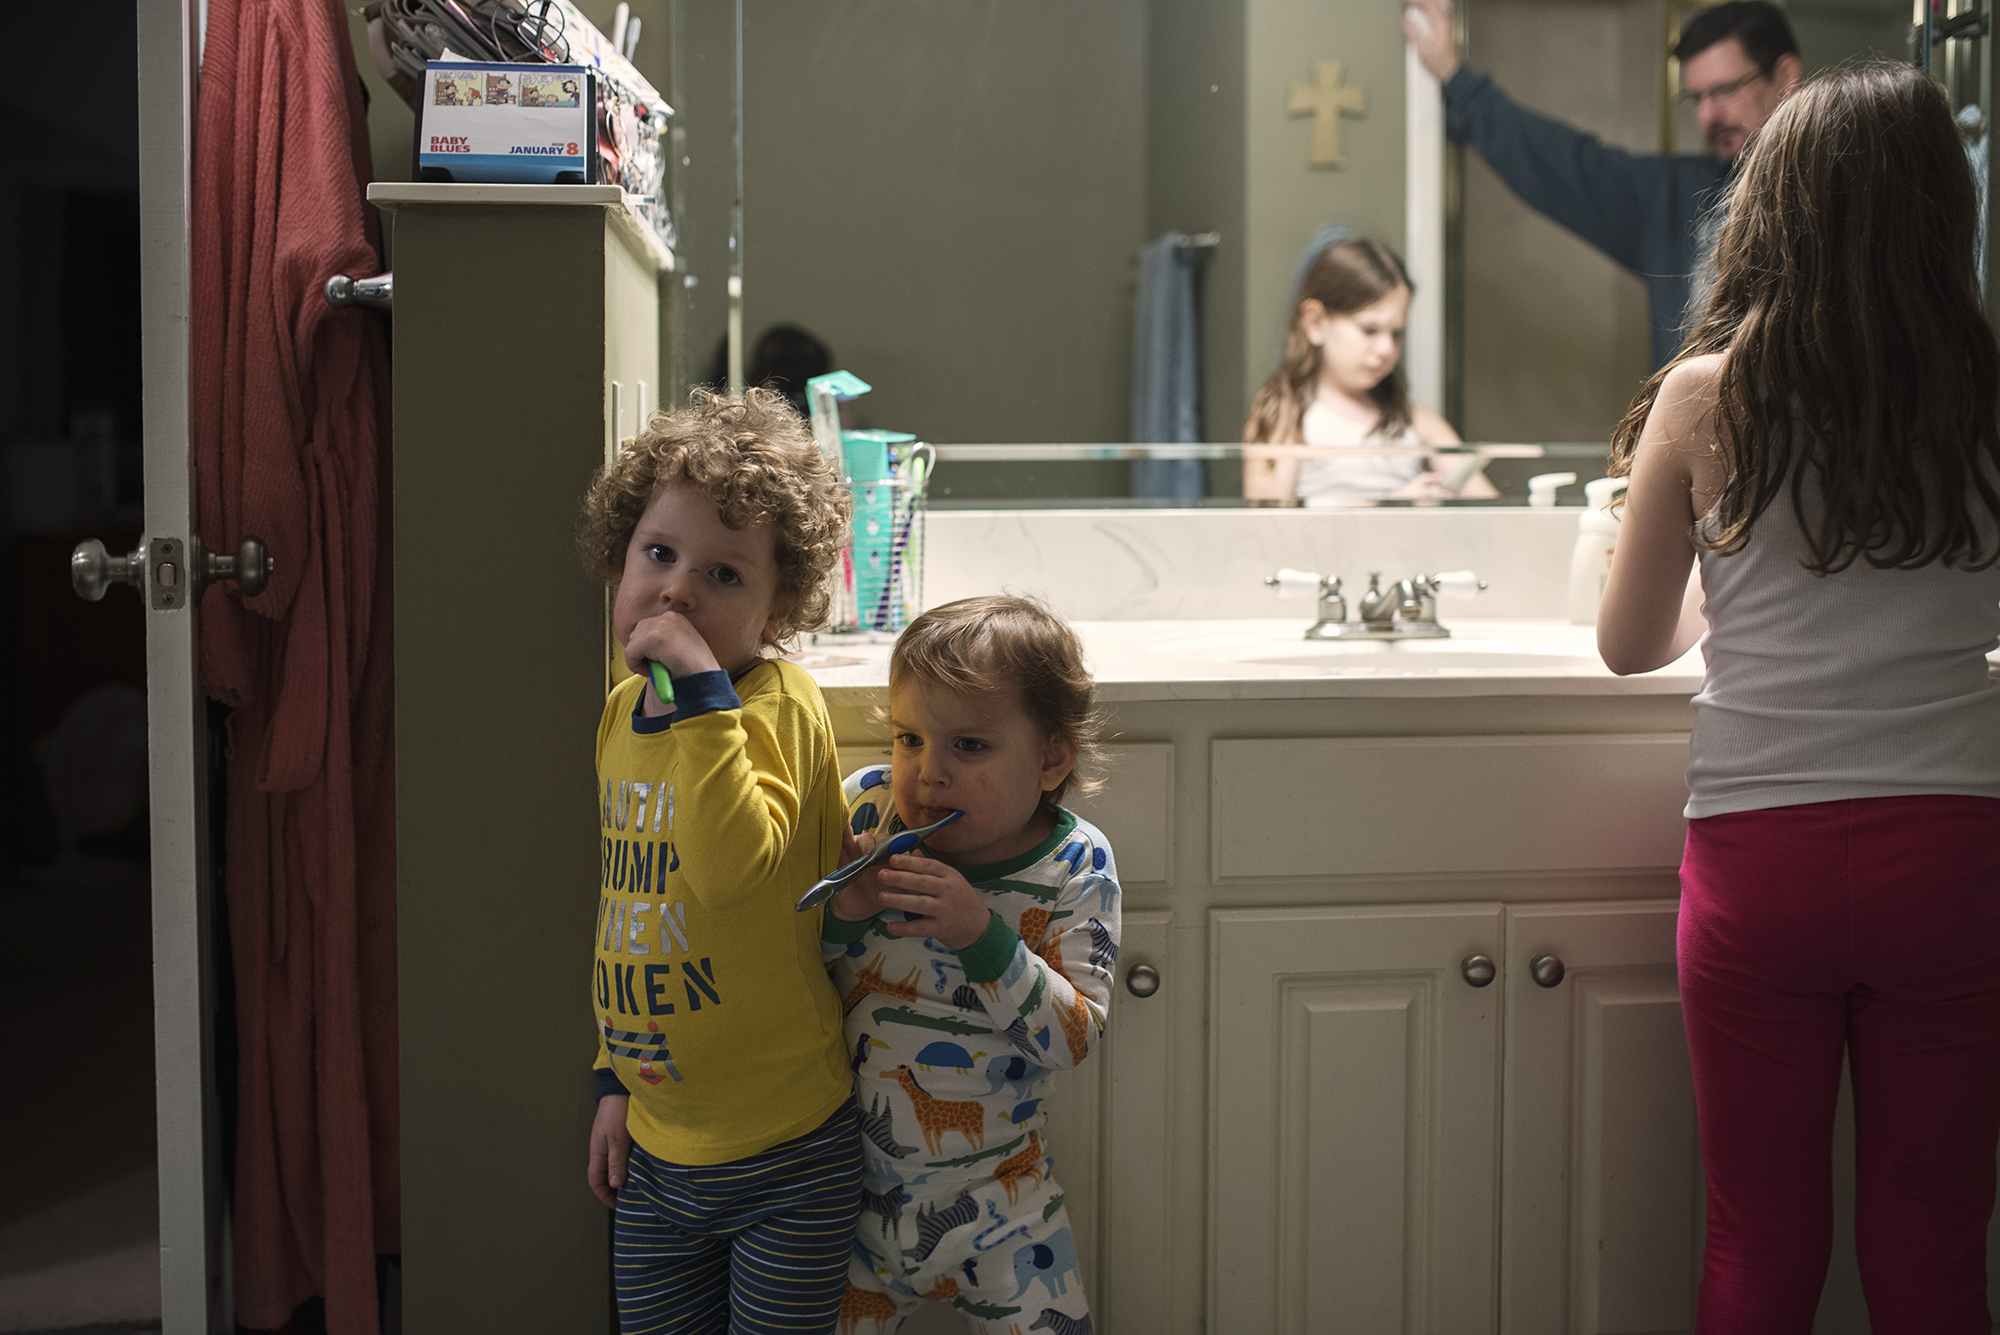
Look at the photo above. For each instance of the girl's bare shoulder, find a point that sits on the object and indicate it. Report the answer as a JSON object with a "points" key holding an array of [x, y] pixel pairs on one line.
{"points": [[1694, 383], [1684, 411], [1431, 428]]}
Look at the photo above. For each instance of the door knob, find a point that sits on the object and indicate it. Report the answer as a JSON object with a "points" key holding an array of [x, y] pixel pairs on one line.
{"points": [[250, 567], [92, 570], [1547, 970], [158, 562], [1143, 980], [1478, 969]]}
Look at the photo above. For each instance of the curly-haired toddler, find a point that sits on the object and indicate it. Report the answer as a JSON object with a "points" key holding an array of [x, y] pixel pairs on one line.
{"points": [[726, 1137]]}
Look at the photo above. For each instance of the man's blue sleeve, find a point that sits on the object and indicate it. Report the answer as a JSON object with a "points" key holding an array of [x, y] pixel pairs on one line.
{"points": [[1627, 205]]}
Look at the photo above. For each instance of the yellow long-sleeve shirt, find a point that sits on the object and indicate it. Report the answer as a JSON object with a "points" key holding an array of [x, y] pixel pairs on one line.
{"points": [[714, 1011]]}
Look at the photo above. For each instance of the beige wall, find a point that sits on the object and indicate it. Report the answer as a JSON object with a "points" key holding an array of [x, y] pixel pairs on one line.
{"points": [[1555, 333], [1195, 110], [1830, 31], [952, 196], [1285, 198]]}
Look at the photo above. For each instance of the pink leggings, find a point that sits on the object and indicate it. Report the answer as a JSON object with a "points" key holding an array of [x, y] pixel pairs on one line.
{"points": [[1872, 925]]}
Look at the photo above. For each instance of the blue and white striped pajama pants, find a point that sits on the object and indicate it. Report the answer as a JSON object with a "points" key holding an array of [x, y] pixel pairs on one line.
{"points": [[754, 1247]]}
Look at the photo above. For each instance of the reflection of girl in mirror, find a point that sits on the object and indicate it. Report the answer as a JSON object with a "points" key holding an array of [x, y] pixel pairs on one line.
{"points": [[1341, 384]]}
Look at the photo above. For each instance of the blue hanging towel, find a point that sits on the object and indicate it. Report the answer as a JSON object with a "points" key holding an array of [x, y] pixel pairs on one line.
{"points": [[1166, 369]]}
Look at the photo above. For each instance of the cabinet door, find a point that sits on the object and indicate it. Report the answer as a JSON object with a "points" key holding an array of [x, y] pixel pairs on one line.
{"points": [[1137, 1219], [1352, 1120], [1601, 1189]]}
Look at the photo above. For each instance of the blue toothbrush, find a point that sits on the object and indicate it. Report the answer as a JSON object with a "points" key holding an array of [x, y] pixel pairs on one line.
{"points": [[894, 844]]}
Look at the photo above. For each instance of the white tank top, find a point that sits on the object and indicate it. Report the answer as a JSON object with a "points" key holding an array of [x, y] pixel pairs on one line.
{"points": [[1366, 477], [1865, 683]]}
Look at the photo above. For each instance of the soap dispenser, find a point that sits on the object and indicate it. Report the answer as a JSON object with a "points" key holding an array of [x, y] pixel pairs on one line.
{"points": [[1542, 487], [1596, 539]]}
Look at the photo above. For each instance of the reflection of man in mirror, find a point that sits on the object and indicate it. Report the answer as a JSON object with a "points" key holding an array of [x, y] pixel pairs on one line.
{"points": [[1644, 210]]}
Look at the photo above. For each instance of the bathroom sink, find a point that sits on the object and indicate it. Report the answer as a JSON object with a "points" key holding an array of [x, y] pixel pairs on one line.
{"points": [[1469, 649], [1438, 656]]}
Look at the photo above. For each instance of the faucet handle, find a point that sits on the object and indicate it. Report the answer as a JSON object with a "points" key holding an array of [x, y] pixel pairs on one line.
{"points": [[1460, 584], [1297, 583]]}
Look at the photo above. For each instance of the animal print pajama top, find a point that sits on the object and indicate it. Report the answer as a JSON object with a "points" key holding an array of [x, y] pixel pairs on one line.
{"points": [[951, 1052]]}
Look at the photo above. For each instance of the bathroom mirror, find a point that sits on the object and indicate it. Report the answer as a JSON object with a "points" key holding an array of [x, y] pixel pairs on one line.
{"points": [[953, 198]]}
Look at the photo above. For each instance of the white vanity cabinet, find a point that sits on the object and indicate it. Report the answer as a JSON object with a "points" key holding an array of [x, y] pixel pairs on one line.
{"points": [[1353, 1105], [1317, 1122], [1397, 1145], [1601, 1191]]}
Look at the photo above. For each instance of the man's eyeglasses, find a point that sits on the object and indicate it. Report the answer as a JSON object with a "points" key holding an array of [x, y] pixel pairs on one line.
{"points": [[1692, 98]]}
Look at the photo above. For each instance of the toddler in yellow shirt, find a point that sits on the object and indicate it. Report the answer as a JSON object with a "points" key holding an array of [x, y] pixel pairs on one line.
{"points": [[726, 1137]]}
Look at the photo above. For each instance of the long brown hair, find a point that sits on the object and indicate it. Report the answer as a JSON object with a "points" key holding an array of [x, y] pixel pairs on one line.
{"points": [[1347, 276], [1857, 355]]}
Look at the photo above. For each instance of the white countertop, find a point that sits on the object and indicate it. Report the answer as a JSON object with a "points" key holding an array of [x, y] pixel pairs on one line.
{"points": [[1248, 660]]}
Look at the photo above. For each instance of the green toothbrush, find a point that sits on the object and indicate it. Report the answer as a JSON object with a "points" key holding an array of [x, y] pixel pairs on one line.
{"points": [[663, 685]]}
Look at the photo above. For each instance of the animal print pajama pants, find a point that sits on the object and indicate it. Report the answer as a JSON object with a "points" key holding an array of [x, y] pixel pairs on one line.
{"points": [[994, 1243]]}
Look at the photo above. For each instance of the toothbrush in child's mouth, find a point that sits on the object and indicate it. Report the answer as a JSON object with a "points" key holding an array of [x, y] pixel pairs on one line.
{"points": [[901, 842], [663, 685]]}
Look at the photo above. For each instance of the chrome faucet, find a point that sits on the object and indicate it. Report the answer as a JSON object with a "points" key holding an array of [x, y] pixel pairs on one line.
{"points": [[1403, 598], [1332, 603], [1406, 610]]}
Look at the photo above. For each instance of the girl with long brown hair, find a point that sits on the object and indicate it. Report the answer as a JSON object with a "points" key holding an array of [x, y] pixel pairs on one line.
{"points": [[1827, 448], [1341, 385]]}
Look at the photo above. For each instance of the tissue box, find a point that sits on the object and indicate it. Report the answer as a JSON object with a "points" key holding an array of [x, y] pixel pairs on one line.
{"points": [[518, 124]]}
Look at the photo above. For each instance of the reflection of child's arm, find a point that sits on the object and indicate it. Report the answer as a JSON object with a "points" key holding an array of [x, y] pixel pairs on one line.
{"points": [[1267, 477], [1054, 999], [1458, 475]]}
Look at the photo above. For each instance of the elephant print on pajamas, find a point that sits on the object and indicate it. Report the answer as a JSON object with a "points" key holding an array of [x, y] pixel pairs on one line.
{"points": [[1051, 1262], [1017, 1073]]}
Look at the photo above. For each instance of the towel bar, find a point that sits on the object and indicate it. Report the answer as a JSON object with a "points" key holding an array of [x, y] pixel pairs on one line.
{"points": [[379, 291]]}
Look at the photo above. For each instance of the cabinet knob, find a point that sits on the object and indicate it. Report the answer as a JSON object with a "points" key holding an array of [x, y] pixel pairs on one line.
{"points": [[1143, 980], [1478, 969], [1547, 970]]}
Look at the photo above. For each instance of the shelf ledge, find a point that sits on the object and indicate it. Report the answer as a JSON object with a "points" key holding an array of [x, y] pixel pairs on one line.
{"points": [[389, 196]]}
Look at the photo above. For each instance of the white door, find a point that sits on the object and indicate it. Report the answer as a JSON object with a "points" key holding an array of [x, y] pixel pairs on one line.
{"points": [[1601, 1190], [1353, 1118], [166, 571]]}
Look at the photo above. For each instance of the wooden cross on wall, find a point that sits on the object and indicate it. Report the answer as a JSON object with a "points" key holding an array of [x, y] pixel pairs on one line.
{"points": [[1324, 100]]}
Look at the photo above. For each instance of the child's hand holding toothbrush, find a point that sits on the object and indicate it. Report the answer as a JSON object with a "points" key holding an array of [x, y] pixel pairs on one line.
{"points": [[861, 898], [941, 903], [670, 641]]}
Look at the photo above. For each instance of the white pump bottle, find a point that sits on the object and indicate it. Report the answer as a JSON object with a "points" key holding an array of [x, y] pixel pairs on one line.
{"points": [[1596, 539]]}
